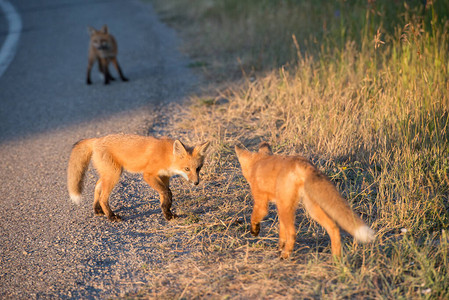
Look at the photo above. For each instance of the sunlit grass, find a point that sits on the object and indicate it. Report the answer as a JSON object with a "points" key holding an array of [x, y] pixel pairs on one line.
{"points": [[361, 89]]}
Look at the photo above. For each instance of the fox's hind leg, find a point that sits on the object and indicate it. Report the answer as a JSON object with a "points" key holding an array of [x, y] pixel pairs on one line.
{"points": [[318, 214], [107, 184], [109, 175], [97, 207], [282, 236]]}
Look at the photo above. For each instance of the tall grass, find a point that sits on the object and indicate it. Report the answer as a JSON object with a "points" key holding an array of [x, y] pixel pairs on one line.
{"points": [[259, 32], [360, 88]]}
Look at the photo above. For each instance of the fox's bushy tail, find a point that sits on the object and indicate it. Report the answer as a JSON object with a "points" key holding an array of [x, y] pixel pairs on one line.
{"points": [[320, 190], [78, 164]]}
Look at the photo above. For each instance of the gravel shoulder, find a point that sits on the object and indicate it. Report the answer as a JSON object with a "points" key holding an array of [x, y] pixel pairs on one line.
{"points": [[49, 247]]}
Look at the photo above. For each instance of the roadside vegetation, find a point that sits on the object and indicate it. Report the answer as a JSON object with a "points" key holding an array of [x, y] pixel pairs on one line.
{"points": [[358, 87]]}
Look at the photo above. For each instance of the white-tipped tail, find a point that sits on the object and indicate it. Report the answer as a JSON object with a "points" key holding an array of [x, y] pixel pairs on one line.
{"points": [[76, 199], [364, 234]]}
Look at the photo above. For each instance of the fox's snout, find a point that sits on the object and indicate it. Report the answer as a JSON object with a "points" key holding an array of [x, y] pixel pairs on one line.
{"points": [[103, 46], [195, 179], [189, 161], [192, 178]]}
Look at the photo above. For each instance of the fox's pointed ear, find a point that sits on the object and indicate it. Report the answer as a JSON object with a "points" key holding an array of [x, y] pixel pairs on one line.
{"points": [[243, 157], [104, 29], [91, 30], [265, 148], [240, 152], [179, 149], [201, 149]]}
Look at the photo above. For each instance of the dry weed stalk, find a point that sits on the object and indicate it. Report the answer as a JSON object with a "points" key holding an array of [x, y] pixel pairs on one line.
{"points": [[375, 119]]}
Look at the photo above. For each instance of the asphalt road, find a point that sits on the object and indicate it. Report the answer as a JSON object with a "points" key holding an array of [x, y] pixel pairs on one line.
{"points": [[49, 247]]}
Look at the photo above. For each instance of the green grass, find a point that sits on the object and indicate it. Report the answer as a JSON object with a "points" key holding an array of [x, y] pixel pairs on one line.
{"points": [[358, 87]]}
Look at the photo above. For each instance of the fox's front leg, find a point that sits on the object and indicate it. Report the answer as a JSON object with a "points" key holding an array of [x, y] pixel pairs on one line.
{"points": [[260, 210], [286, 213], [161, 185], [103, 67], [119, 70], [107, 74], [89, 68], [287, 232]]}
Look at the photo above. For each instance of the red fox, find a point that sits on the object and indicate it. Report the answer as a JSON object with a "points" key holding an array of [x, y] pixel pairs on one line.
{"points": [[286, 180], [157, 159], [103, 48]]}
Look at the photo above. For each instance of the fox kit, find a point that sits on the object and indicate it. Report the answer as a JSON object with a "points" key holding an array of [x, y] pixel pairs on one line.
{"points": [[286, 180], [157, 159], [103, 48]]}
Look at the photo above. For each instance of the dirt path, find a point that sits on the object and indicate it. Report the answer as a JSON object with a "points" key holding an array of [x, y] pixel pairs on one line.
{"points": [[49, 247]]}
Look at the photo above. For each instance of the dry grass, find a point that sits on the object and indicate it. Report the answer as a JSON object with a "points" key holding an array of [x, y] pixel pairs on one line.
{"points": [[367, 103]]}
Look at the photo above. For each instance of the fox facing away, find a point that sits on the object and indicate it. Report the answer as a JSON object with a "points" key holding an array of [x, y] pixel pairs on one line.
{"points": [[103, 48], [157, 159], [286, 180]]}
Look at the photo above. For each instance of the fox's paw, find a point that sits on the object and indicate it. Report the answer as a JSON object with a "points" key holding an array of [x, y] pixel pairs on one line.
{"points": [[88, 81], [99, 211], [125, 79], [255, 229], [115, 218], [285, 254], [281, 245], [170, 216]]}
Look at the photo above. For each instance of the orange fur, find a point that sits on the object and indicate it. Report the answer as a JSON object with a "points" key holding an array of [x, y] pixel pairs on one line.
{"points": [[286, 180], [103, 48], [156, 159]]}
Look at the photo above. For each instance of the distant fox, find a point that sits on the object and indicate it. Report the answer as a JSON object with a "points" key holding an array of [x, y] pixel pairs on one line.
{"points": [[157, 159], [103, 48], [286, 180]]}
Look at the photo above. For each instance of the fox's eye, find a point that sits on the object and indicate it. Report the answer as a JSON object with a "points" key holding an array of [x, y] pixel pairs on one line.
{"points": [[187, 169]]}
